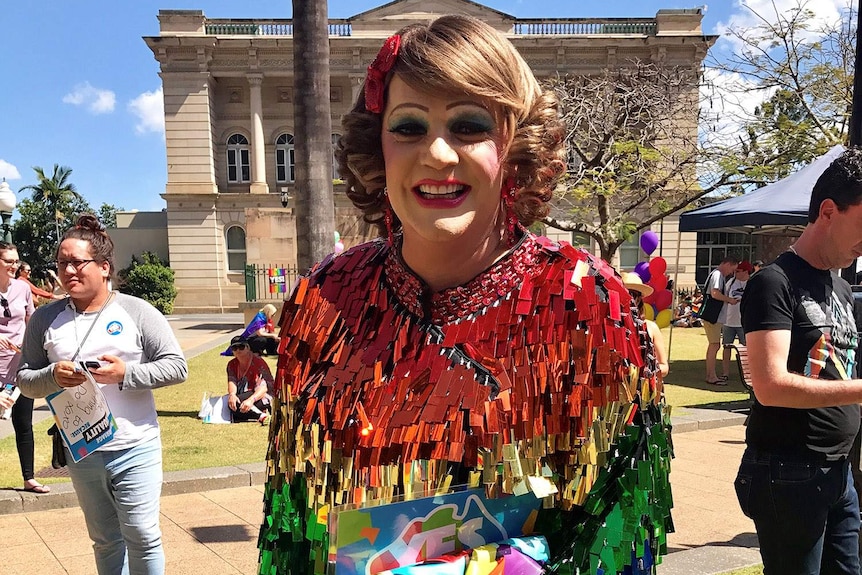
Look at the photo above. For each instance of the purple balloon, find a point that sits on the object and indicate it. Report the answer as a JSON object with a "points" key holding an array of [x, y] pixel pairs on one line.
{"points": [[649, 241], [642, 269]]}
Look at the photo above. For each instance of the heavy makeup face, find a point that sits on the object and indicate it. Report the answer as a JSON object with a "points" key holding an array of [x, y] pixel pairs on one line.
{"points": [[444, 166]]}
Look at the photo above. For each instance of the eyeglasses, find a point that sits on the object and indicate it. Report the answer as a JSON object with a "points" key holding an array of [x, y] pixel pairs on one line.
{"points": [[5, 303], [10, 262], [238, 346], [77, 264]]}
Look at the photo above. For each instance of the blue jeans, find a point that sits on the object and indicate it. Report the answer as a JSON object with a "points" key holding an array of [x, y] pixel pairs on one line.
{"points": [[805, 511], [729, 333], [119, 494]]}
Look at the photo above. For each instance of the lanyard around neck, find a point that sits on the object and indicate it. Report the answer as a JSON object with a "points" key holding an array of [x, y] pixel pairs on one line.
{"points": [[92, 325]]}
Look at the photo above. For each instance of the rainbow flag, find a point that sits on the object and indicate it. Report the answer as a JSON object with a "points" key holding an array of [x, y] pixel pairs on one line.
{"points": [[277, 280]]}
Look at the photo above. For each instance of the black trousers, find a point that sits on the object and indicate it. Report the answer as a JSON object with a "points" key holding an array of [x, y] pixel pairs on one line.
{"points": [[263, 345], [237, 416], [22, 422]]}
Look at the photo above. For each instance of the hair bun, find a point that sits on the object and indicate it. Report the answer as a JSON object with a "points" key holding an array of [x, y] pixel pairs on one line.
{"points": [[89, 222]]}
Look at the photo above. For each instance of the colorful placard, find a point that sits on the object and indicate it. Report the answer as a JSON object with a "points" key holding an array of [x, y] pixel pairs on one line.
{"points": [[83, 417], [375, 539]]}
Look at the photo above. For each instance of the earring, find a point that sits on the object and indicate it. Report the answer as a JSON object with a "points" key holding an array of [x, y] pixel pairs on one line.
{"points": [[387, 218], [509, 206]]}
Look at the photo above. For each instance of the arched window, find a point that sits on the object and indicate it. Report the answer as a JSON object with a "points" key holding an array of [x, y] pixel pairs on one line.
{"points": [[335, 174], [238, 168], [285, 160], [235, 244]]}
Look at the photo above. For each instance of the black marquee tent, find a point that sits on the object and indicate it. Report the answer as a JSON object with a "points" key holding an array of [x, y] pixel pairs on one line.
{"points": [[774, 207]]}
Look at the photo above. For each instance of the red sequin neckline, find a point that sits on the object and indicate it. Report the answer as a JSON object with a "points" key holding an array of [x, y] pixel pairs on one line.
{"points": [[457, 303]]}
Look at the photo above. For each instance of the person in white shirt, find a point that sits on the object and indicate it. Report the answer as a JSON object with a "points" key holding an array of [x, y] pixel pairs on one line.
{"points": [[119, 485], [731, 318], [714, 302]]}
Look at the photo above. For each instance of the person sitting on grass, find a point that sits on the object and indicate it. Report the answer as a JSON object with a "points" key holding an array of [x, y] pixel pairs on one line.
{"points": [[248, 384], [639, 290], [264, 341], [260, 333]]}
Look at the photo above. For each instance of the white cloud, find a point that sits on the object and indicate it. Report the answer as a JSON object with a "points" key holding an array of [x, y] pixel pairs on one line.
{"points": [[149, 108], [727, 101], [752, 13], [96, 100], [727, 98], [9, 171]]}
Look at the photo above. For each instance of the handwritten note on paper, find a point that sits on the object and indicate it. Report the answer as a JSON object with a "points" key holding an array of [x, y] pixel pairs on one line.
{"points": [[83, 417]]}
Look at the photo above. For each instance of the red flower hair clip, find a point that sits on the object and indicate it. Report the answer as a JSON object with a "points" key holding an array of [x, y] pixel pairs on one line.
{"points": [[374, 82]]}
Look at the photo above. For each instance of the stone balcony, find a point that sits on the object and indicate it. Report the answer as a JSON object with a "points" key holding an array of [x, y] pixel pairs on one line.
{"points": [[677, 22]]}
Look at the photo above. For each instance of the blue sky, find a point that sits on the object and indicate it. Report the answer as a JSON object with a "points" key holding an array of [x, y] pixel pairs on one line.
{"points": [[80, 87]]}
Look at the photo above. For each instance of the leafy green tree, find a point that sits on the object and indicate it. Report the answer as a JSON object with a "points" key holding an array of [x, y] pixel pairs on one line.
{"points": [[151, 279], [648, 139], [54, 193], [108, 215], [634, 151], [35, 230], [804, 72]]}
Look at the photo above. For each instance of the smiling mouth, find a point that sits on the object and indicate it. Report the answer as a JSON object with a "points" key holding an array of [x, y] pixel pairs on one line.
{"points": [[447, 192]]}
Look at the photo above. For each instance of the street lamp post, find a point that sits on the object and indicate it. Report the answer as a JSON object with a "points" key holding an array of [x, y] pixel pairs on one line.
{"points": [[7, 206]]}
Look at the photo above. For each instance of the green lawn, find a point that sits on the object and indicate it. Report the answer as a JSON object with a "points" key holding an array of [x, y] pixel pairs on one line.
{"points": [[756, 570], [685, 383], [190, 444]]}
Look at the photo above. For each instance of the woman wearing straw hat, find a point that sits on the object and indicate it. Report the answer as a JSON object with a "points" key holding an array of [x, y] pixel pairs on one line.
{"points": [[639, 290]]}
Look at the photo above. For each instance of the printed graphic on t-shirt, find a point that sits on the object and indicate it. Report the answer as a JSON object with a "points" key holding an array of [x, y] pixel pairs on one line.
{"points": [[114, 328], [837, 346]]}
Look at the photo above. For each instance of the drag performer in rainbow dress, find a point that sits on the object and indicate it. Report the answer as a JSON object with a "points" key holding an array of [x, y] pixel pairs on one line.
{"points": [[459, 395]]}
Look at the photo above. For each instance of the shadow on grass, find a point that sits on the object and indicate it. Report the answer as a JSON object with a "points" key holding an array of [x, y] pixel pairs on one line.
{"points": [[165, 413], [215, 326], [692, 374]]}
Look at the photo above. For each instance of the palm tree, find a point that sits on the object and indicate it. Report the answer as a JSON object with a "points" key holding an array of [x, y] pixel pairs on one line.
{"points": [[315, 211], [53, 191]]}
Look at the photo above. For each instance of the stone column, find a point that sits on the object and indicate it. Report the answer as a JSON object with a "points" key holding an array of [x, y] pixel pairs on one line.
{"points": [[258, 145], [356, 83]]}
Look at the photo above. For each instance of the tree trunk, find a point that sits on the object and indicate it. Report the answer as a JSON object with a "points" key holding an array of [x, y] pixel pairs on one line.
{"points": [[315, 211]]}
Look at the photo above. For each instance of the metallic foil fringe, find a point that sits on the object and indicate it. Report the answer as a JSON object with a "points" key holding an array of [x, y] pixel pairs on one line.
{"points": [[537, 376]]}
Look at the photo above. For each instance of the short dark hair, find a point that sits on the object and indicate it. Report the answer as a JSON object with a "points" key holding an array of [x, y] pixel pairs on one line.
{"points": [[841, 182]]}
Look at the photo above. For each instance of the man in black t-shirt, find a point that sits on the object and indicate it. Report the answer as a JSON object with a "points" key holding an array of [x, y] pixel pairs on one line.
{"points": [[794, 480]]}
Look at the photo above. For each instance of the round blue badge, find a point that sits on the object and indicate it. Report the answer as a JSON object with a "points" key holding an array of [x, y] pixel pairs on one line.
{"points": [[114, 328]]}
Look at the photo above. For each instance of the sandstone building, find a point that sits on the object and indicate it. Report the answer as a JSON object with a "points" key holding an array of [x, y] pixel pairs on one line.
{"points": [[228, 93]]}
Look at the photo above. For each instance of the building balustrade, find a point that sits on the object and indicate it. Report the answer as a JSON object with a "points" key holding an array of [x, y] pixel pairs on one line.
{"points": [[525, 27], [584, 26]]}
